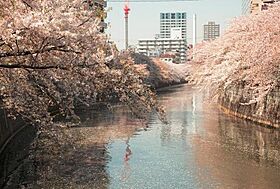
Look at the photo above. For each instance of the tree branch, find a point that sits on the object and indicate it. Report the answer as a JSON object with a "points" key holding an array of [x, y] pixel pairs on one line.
{"points": [[27, 52], [27, 4], [33, 67], [84, 22], [24, 66]]}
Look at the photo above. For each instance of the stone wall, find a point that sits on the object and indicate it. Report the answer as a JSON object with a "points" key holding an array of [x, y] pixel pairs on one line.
{"points": [[8, 127], [238, 101]]}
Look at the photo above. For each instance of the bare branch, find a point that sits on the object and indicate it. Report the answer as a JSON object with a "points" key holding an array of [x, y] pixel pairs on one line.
{"points": [[33, 67], [45, 67], [27, 4], [27, 52], [84, 22]]}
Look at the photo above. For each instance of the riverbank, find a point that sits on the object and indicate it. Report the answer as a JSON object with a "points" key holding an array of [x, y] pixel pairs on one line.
{"points": [[241, 69], [239, 97], [8, 128], [237, 100], [158, 74], [15, 164]]}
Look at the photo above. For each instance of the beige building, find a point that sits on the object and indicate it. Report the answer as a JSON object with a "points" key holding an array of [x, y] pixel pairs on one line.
{"points": [[254, 6], [211, 31]]}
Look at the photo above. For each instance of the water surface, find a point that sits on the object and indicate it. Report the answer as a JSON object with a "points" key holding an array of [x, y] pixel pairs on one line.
{"points": [[200, 147]]}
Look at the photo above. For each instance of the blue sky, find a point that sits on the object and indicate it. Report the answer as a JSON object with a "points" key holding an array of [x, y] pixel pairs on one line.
{"points": [[144, 17]]}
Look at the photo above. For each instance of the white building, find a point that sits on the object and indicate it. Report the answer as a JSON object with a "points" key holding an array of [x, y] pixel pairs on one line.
{"points": [[173, 21], [176, 33], [155, 47]]}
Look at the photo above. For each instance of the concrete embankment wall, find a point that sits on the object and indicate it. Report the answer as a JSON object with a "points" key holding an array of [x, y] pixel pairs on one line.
{"points": [[15, 139], [235, 98], [8, 128]]}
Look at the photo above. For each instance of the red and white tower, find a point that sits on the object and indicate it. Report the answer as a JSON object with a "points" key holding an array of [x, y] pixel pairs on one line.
{"points": [[126, 12]]}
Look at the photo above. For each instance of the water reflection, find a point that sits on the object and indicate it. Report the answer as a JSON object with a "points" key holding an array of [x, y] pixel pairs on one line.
{"points": [[126, 172], [260, 143], [86, 165], [201, 147], [128, 152], [183, 115], [235, 153]]}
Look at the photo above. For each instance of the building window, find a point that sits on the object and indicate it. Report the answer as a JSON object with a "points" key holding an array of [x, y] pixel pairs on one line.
{"points": [[167, 16], [178, 15], [172, 15]]}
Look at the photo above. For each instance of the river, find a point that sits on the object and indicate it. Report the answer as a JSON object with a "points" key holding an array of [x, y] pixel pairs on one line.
{"points": [[200, 147]]}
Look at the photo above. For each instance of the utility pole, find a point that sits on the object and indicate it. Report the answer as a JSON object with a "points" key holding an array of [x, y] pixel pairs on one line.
{"points": [[194, 30], [126, 12], [194, 33]]}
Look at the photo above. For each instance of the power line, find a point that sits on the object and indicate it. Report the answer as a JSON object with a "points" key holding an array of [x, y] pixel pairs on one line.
{"points": [[148, 1]]}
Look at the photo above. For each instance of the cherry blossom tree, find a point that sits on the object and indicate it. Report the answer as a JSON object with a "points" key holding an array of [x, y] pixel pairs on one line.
{"points": [[52, 57], [248, 51]]}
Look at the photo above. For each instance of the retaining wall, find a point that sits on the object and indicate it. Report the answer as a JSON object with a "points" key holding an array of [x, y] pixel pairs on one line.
{"points": [[8, 127], [235, 98]]}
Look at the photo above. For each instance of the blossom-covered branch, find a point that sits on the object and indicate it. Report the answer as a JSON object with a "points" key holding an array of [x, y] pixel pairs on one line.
{"points": [[248, 52], [52, 56]]}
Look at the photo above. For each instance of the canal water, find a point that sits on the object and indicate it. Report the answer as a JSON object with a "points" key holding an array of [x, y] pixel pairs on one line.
{"points": [[200, 147]]}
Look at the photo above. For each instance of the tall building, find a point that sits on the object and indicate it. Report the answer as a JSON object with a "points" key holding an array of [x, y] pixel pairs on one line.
{"points": [[211, 31], [170, 23], [255, 6], [156, 47], [171, 40]]}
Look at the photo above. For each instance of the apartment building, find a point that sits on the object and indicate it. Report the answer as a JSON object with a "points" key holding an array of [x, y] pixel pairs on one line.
{"points": [[211, 31], [156, 47]]}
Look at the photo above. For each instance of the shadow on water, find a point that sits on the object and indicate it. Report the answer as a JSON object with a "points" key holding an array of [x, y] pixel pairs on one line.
{"points": [[83, 164], [84, 167]]}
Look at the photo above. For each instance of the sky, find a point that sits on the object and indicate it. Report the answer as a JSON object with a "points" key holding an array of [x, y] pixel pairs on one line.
{"points": [[144, 17]]}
